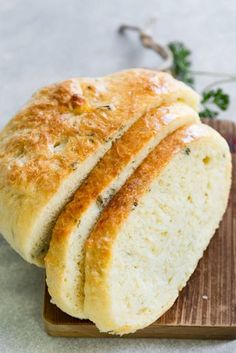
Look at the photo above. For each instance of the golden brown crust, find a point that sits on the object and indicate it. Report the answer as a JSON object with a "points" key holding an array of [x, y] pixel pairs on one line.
{"points": [[65, 122], [28, 149], [60, 128], [99, 245]]}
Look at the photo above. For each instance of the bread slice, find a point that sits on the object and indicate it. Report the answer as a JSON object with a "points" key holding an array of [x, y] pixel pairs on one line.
{"points": [[65, 258], [149, 239], [53, 143]]}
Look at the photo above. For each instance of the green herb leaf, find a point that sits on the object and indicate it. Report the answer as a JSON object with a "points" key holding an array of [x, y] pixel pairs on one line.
{"points": [[182, 64], [187, 151], [218, 97], [207, 113], [214, 98]]}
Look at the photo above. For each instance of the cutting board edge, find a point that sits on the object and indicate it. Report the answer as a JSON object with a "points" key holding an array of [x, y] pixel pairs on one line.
{"points": [[152, 331]]}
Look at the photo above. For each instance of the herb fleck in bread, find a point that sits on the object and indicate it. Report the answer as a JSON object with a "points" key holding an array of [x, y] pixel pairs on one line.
{"points": [[58, 137], [65, 258], [149, 239]]}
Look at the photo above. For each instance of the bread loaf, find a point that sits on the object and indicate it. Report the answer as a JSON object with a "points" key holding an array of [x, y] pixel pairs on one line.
{"points": [[51, 145], [150, 237], [65, 258]]}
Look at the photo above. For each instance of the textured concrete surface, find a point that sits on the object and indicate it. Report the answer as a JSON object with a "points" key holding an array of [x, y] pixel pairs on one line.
{"points": [[50, 40]]}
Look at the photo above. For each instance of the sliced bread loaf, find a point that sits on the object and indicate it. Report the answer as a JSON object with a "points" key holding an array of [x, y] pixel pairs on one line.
{"points": [[149, 239], [58, 137], [65, 258]]}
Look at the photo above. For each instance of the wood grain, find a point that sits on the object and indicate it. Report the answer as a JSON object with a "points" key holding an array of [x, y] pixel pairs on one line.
{"points": [[206, 307]]}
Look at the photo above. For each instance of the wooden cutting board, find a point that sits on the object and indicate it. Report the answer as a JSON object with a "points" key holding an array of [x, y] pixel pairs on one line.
{"points": [[206, 307]]}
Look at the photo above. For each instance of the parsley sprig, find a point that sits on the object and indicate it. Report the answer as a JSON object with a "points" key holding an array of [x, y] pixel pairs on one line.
{"points": [[181, 62], [213, 100]]}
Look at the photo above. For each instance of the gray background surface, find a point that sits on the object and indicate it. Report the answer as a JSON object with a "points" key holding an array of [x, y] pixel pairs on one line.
{"points": [[49, 40]]}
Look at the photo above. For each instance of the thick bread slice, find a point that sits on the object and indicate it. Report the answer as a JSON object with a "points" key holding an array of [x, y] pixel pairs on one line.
{"points": [[152, 234], [65, 258], [51, 145]]}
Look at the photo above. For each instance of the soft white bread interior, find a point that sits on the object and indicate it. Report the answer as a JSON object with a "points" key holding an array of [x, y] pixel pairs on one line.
{"points": [[149, 239], [65, 258], [58, 137]]}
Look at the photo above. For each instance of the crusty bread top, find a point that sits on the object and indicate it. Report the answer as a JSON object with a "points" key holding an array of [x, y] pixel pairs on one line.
{"points": [[64, 123], [99, 244]]}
